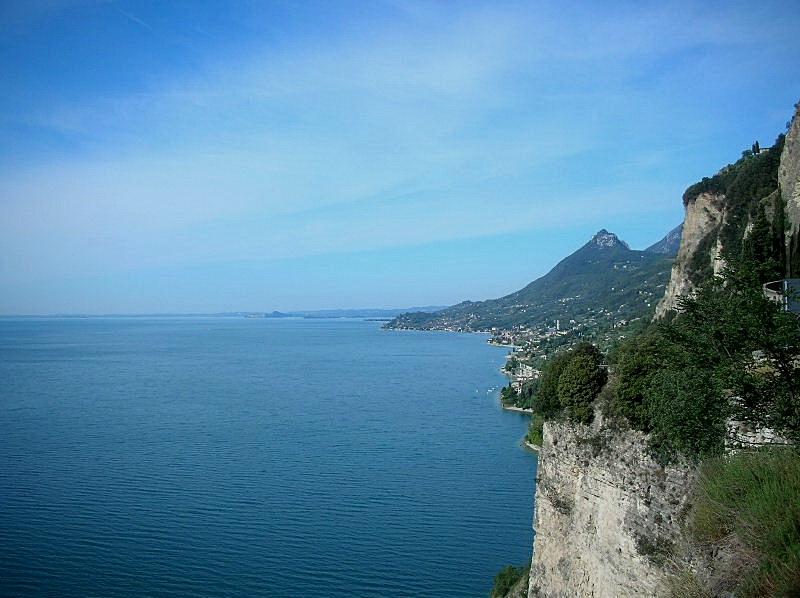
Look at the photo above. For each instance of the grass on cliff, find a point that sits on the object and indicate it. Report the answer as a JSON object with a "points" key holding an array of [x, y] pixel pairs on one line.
{"points": [[507, 579], [750, 503]]}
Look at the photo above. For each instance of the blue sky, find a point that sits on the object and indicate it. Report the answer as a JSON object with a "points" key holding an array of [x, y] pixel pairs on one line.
{"points": [[193, 157]]}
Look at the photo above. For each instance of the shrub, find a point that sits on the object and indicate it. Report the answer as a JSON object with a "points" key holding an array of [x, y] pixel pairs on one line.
{"points": [[636, 362], [579, 384], [681, 380], [752, 499], [546, 402], [686, 414], [656, 550], [535, 431], [506, 579]]}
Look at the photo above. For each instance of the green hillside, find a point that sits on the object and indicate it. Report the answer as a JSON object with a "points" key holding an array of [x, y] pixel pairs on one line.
{"points": [[602, 282]]}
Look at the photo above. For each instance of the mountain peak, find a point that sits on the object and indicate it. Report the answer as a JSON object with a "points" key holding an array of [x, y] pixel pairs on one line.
{"points": [[603, 238], [670, 244]]}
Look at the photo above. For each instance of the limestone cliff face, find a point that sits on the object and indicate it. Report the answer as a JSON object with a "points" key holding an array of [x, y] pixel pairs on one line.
{"points": [[706, 213], [789, 185], [704, 217], [606, 514]]}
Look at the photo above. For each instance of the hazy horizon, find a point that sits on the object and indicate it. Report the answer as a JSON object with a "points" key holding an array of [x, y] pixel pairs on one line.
{"points": [[183, 159], [298, 312]]}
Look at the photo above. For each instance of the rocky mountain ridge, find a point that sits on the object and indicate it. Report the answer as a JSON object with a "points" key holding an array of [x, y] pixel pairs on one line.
{"points": [[603, 282], [670, 244]]}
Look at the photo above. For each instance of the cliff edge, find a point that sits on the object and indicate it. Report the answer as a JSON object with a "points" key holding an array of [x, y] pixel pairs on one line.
{"points": [[607, 515], [720, 211]]}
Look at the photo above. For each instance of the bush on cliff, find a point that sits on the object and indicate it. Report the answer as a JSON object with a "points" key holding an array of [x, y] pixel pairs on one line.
{"points": [[749, 180], [686, 414], [535, 434], [545, 402], [579, 385], [747, 506], [569, 384], [635, 363], [730, 353], [508, 577]]}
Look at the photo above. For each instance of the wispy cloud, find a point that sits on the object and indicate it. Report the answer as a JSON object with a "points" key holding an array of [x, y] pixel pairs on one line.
{"points": [[436, 123], [134, 19]]}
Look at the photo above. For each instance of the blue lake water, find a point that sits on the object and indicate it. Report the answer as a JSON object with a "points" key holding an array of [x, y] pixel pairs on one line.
{"points": [[236, 457]]}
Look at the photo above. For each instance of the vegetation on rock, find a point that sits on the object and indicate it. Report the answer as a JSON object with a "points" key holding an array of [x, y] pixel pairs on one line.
{"points": [[579, 385], [603, 280], [730, 353], [509, 578], [745, 184], [569, 385], [747, 507]]}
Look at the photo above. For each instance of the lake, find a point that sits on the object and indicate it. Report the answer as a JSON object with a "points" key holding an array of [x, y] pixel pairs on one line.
{"points": [[255, 457]]}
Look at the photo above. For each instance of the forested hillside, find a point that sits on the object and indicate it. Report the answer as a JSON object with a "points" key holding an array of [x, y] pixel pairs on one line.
{"points": [[603, 281]]}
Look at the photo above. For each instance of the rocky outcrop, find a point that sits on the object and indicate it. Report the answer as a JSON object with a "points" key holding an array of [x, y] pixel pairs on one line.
{"points": [[607, 517], [789, 185], [704, 217], [670, 244], [707, 207]]}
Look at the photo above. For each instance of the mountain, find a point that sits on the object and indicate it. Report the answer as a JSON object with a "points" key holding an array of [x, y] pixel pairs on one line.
{"points": [[604, 281], [670, 244]]}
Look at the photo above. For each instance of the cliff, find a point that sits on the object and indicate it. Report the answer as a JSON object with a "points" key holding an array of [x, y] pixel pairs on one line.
{"points": [[789, 184], [720, 211], [699, 241], [607, 515], [610, 521]]}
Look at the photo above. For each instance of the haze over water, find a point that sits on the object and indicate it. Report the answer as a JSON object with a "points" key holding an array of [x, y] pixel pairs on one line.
{"points": [[236, 457]]}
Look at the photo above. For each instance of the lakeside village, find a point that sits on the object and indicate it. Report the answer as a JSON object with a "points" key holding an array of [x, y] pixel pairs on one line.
{"points": [[533, 346]]}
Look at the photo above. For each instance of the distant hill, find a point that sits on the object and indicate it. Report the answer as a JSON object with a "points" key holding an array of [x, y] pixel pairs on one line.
{"points": [[360, 313], [339, 313], [670, 244], [603, 281]]}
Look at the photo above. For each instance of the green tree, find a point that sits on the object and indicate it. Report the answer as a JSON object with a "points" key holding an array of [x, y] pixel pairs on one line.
{"points": [[687, 413], [747, 344], [579, 384], [505, 580], [546, 403], [761, 250], [636, 362], [730, 352]]}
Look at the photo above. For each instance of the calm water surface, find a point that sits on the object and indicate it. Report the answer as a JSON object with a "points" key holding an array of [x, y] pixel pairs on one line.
{"points": [[235, 457]]}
